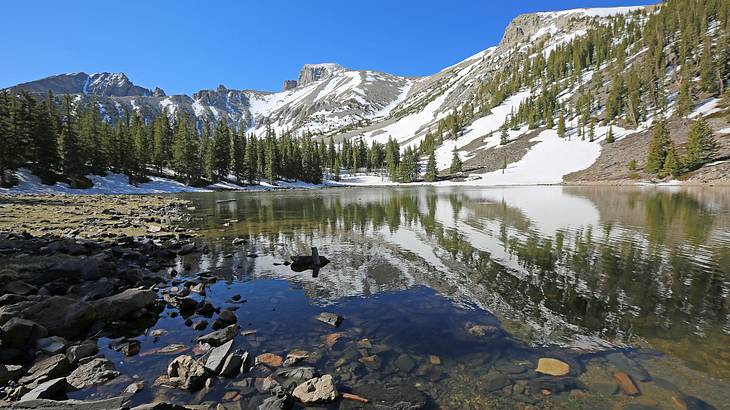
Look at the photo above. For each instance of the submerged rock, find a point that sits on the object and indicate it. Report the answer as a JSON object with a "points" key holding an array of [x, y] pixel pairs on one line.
{"points": [[269, 359], [316, 390], [552, 367]]}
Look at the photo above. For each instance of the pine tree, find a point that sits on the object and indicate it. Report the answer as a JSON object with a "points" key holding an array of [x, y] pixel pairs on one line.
{"points": [[456, 164], [657, 147], [707, 69], [238, 154], [46, 147], [504, 136], [672, 165], [252, 151], [684, 99], [592, 130], [431, 170], [72, 159], [609, 136], [9, 159], [701, 144], [220, 151], [141, 152], [90, 138], [337, 167], [561, 125]]}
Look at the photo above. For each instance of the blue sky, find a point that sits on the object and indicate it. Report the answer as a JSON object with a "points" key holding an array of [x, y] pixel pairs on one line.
{"points": [[183, 46]]}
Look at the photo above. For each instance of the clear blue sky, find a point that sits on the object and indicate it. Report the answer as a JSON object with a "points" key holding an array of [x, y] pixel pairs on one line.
{"points": [[183, 46]]}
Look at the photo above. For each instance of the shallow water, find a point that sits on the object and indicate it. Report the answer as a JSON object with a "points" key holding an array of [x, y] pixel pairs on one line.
{"points": [[567, 272]]}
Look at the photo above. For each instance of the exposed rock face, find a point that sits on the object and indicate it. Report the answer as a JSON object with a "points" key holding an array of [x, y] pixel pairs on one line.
{"points": [[316, 72], [289, 85]]}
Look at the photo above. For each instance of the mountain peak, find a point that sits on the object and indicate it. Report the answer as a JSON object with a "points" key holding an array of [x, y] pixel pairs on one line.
{"points": [[100, 84], [316, 72]]}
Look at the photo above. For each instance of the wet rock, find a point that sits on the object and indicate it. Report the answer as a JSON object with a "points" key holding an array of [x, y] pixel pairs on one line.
{"points": [[481, 330], [205, 309], [227, 317], [290, 378], [284, 402], [51, 345], [123, 304], [187, 373], [331, 319], [552, 367], [685, 402], [555, 385], [11, 299], [200, 324], [130, 347], [18, 332], [495, 380], [433, 359], [96, 371], [246, 362], [46, 369], [218, 356], [21, 288], [46, 390], [62, 316], [161, 406], [405, 363], [372, 362], [134, 388], [316, 390], [625, 383], [187, 304], [507, 367], [232, 366], [269, 359], [628, 366], [219, 337], [78, 352]]}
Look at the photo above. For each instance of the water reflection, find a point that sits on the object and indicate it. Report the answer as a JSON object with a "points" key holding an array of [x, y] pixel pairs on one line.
{"points": [[586, 267]]}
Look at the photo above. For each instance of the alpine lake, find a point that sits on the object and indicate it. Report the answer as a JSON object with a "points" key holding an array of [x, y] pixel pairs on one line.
{"points": [[451, 296]]}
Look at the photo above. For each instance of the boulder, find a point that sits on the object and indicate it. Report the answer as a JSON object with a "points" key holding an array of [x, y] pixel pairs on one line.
{"points": [[19, 332], [227, 317], [219, 337], [331, 319], [269, 359], [78, 352], [46, 390], [21, 288], [10, 299], [316, 390], [292, 377], [282, 402], [121, 305], [232, 366], [187, 373], [9, 372], [218, 356], [46, 369], [62, 316], [96, 371]]}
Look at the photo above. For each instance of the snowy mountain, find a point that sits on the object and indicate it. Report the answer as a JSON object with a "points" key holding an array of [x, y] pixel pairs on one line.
{"points": [[328, 100]]}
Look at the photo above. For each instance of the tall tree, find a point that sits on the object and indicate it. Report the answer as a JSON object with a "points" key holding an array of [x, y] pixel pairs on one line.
{"points": [[431, 170], [701, 144], [657, 147]]}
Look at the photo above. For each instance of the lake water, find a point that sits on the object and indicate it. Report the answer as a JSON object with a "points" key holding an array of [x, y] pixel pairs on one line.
{"points": [[454, 294]]}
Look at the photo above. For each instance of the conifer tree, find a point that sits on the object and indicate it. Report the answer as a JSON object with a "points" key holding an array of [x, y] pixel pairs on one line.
{"points": [[8, 152], [707, 70], [431, 171], [252, 152], [238, 155], [684, 99], [337, 167], [561, 125], [90, 138], [609, 136], [45, 146], [657, 147], [456, 164], [504, 136], [72, 160], [672, 165], [701, 145]]}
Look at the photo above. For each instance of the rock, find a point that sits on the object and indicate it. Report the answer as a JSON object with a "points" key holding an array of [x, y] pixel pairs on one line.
{"points": [[51, 345], [187, 373], [218, 356], [228, 317], [395, 395], [553, 367], [625, 383], [495, 380], [316, 390], [269, 359], [162, 406], [123, 304], [154, 228], [290, 378], [628, 366], [9, 372], [21, 288], [372, 362], [46, 390], [11, 299], [481, 330], [246, 362], [507, 367], [62, 316], [284, 402], [46, 369], [18, 332], [331, 319], [134, 388], [130, 347], [433, 359], [232, 366], [404, 363], [78, 352], [200, 324], [96, 371], [219, 337]]}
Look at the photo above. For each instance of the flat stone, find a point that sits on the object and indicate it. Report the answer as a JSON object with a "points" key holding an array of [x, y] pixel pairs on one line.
{"points": [[552, 367], [277, 403], [46, 390], [269, 359], [433, 359], [218, 356], [62, 316], [46, 369], [316, 390], [51, 345], [219, 337], [123, 304], [331, 319], [290, 378], [405, 363], [78, 352], [134, 388], [97, 371]]}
